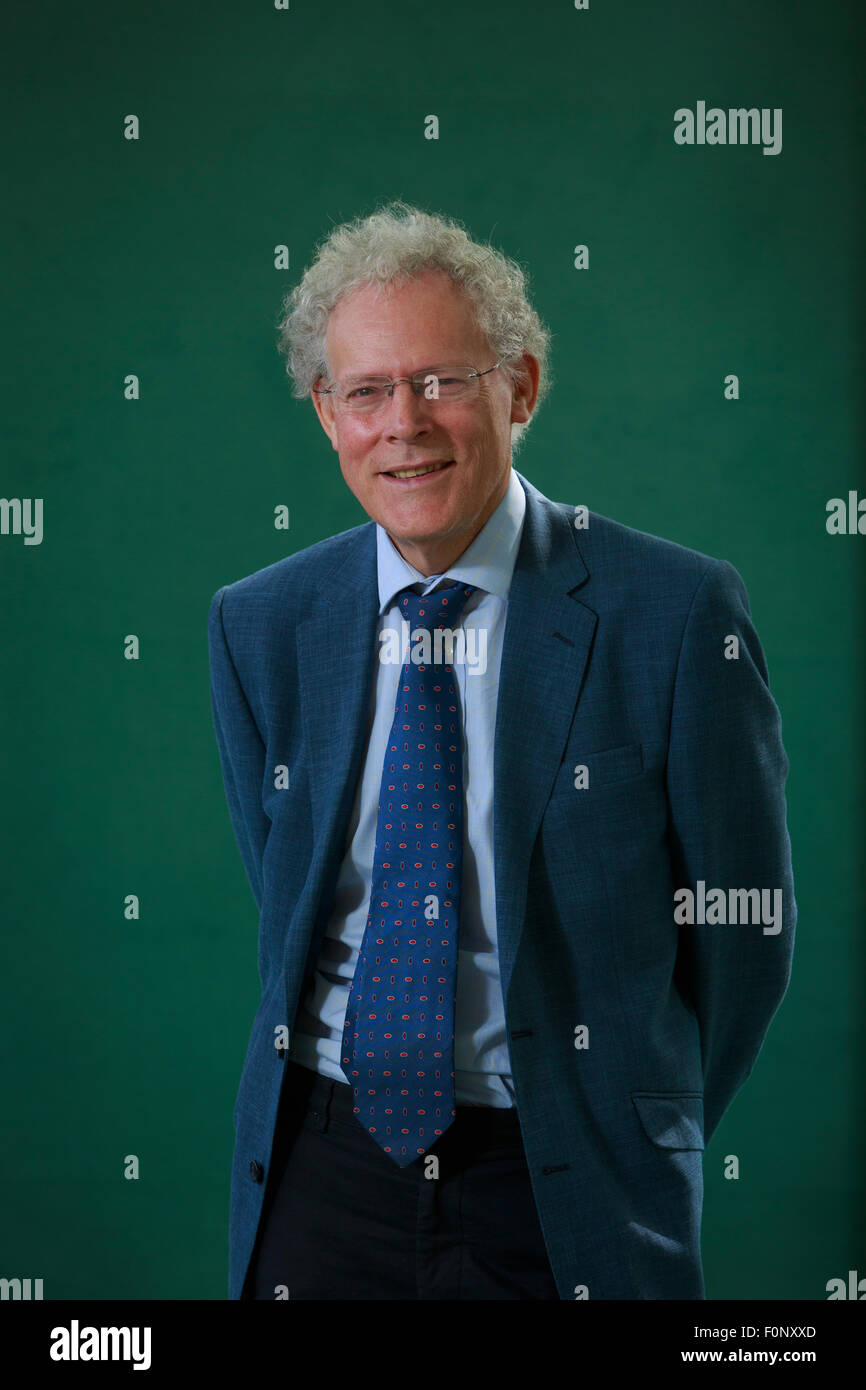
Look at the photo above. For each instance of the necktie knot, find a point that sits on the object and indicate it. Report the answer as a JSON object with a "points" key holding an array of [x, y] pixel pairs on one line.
{"points": [[441, 608]]}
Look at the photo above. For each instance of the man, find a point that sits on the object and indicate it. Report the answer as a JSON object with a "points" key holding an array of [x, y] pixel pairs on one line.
{"points": [[508, 783]]}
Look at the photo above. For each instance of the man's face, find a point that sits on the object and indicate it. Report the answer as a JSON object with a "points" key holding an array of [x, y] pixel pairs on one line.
{"points": [[426, 322]]}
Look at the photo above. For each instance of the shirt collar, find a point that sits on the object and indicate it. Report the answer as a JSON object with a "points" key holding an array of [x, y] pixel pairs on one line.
{"points": [[488, 562]]}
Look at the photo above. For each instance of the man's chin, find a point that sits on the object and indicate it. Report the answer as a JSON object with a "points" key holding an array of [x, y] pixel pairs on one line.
{"points": [[411, 525], [402, 536]]}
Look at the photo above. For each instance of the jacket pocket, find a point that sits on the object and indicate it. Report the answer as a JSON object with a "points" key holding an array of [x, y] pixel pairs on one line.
{"points": [[603, 767], [672, 1120]]}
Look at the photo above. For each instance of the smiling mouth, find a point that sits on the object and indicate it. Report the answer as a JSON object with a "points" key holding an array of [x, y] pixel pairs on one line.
{"points": [[419, 472]]}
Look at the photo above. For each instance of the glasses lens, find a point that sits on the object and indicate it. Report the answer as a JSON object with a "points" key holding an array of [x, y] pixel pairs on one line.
{"points": [[444, 383], [363, 395]]}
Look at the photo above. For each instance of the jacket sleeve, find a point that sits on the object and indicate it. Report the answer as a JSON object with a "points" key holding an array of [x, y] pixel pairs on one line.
{"points": [[241, 749], [726, 776]]}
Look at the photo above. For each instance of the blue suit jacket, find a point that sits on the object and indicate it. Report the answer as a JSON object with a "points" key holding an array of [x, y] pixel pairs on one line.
{"points": [[613, 658]]}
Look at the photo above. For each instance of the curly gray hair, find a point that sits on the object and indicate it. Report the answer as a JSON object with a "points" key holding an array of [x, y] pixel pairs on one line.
{"points": [[391, 246]]}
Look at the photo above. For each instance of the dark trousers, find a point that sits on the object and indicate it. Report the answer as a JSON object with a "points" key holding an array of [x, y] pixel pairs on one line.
{"points": [[341, 1220]]}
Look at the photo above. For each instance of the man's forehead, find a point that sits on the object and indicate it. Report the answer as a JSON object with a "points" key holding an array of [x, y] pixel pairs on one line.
{"points": [[423, 322]]}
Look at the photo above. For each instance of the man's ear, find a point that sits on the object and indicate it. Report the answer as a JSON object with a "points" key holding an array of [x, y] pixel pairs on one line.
{"points": [[525, 389], [325, 412]]}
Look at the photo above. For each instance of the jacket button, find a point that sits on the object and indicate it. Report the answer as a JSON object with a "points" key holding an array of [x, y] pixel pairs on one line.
{"points": [[257, 1172]]}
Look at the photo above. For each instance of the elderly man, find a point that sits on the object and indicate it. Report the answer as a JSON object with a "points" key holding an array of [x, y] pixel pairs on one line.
{"points": [[481, 754]]}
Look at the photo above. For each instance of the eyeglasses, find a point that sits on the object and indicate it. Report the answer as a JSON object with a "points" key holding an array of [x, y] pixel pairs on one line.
{"points": [[364, 395]]}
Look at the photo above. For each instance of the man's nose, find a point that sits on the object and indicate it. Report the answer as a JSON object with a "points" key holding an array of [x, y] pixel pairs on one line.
{"points": [[404, 409]]}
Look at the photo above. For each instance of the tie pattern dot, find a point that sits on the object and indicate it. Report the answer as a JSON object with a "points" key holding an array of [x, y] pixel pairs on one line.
{"points": [[398, 1034]]}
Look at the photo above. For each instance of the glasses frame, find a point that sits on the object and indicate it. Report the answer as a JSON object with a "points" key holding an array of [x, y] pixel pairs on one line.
{"points": [[332, 390]]}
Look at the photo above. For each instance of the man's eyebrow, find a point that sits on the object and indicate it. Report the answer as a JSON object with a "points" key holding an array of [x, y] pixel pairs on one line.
{"points": [[365, 376]]}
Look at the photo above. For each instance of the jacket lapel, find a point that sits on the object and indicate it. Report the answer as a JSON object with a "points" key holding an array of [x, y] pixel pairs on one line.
{"points": [[336, 661], [548, 636]]}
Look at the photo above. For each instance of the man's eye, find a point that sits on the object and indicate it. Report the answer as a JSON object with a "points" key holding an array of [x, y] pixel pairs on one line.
{"points": [[357, 391]]}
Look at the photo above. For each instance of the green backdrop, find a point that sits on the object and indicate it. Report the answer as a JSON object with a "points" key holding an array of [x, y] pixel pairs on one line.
{"points": [[262, 127]]}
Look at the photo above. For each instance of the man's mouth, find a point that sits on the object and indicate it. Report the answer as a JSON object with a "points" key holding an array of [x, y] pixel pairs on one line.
{"points": [[420, 471]]}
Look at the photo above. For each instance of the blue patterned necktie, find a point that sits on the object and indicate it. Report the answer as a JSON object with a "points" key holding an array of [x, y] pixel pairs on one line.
{"points": [[398, 1035]]}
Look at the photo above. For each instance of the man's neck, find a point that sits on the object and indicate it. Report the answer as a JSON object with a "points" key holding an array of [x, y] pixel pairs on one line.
{"points": [[429, 561]]}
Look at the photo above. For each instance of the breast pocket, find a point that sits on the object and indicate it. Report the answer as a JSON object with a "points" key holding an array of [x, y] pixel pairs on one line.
{"points": [[598, 769]]}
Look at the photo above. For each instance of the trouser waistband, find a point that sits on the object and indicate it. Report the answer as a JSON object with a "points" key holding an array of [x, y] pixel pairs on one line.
{"points": [[335, 1099]]}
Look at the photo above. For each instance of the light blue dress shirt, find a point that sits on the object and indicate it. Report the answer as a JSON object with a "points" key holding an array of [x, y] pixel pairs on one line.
{"points": [[481, 1063]]}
